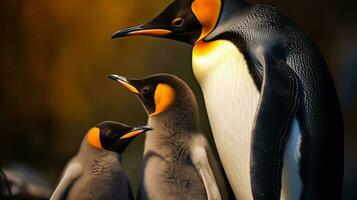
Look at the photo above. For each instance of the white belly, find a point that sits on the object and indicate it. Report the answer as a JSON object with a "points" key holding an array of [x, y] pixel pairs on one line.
{"points": [[232, 99]]}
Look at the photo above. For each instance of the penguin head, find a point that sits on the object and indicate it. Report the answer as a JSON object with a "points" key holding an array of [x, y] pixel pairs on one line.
{"points": [[184, 20], [113, 136], [160, 93]]}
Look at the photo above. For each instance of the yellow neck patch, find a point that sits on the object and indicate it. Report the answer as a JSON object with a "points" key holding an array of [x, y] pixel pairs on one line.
{"points": [[93, 137], [207, 57], [164, 96], [207, 13], [203, 48]]}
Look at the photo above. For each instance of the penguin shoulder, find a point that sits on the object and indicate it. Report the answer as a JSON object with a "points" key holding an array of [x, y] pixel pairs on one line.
{"points": [[198, 148], [264, 16], [199, 139], [250, 21]]}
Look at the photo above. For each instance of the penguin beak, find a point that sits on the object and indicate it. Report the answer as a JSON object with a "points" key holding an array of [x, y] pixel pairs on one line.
{"points": [[131, 85], [141, 30], [136, 131], [125, 82]]}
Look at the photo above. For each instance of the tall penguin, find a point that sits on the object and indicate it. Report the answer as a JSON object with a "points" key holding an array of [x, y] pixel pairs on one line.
{"points": [[270, 99], [96, 171], [178, 162]]}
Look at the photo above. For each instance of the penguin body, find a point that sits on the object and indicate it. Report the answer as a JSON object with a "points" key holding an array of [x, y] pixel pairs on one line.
{"points": [[97, 175], [169, 170], [312, 145], [96, 171], [271, 101], [178, 162]]}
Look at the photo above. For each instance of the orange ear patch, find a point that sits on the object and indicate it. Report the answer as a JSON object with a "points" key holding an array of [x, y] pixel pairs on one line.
{"points": [[164, 96], [207, 13], [93, 137]]}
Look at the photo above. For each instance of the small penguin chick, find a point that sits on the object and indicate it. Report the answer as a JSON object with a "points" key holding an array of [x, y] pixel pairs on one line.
{"points": [[178, 162], [96, 171]]}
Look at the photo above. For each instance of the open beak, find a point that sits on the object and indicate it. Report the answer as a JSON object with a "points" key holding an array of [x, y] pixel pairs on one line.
{"points": [[125, 82], [136, 131], [141, 30]]}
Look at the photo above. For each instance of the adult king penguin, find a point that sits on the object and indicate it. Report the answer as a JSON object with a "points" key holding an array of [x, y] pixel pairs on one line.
{"points": [[96, 171], [270, 99]]}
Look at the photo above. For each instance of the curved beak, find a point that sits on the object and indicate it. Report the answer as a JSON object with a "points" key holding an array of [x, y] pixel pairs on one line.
{"points": [[125, 82], [136, 131], [141, 30]]}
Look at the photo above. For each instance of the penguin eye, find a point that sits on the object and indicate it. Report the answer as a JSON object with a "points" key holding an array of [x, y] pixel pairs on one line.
{"points": [[178, 22], [145, 90], [111, 134]]}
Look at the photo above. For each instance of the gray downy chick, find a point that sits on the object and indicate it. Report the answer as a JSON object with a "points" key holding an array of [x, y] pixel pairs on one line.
{"points": [[178, 162], [96, 171]]}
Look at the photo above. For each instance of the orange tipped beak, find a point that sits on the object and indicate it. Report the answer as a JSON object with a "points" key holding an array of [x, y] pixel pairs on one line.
{"points": [[136, 131], [124, 81], [151, 32], [140, 30]]}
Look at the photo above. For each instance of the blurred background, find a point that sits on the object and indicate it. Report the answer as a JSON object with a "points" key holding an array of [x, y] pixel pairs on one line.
{"points": [[55, 57]]}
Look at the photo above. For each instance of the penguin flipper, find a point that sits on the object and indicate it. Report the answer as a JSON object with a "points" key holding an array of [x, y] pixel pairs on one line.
{"points": [[71, 174], [200, 161], [277, 108]]}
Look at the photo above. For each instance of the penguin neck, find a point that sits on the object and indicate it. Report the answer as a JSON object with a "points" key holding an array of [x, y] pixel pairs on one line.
{"points": [[233, 7], [181, 115], [92, 153], [175, 118], [236, 3], [230, 10]]}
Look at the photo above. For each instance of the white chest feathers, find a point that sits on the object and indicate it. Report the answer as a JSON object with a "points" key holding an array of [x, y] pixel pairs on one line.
{"points": [[231, 99]]}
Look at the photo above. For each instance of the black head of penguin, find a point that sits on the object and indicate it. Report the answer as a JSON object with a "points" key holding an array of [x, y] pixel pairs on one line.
{"points": [[163, 95], [183, 20], [113, 136]]}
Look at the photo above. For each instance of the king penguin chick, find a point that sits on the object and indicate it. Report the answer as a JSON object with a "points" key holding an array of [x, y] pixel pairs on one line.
{"points": [[178, 162], [96, 171]]}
